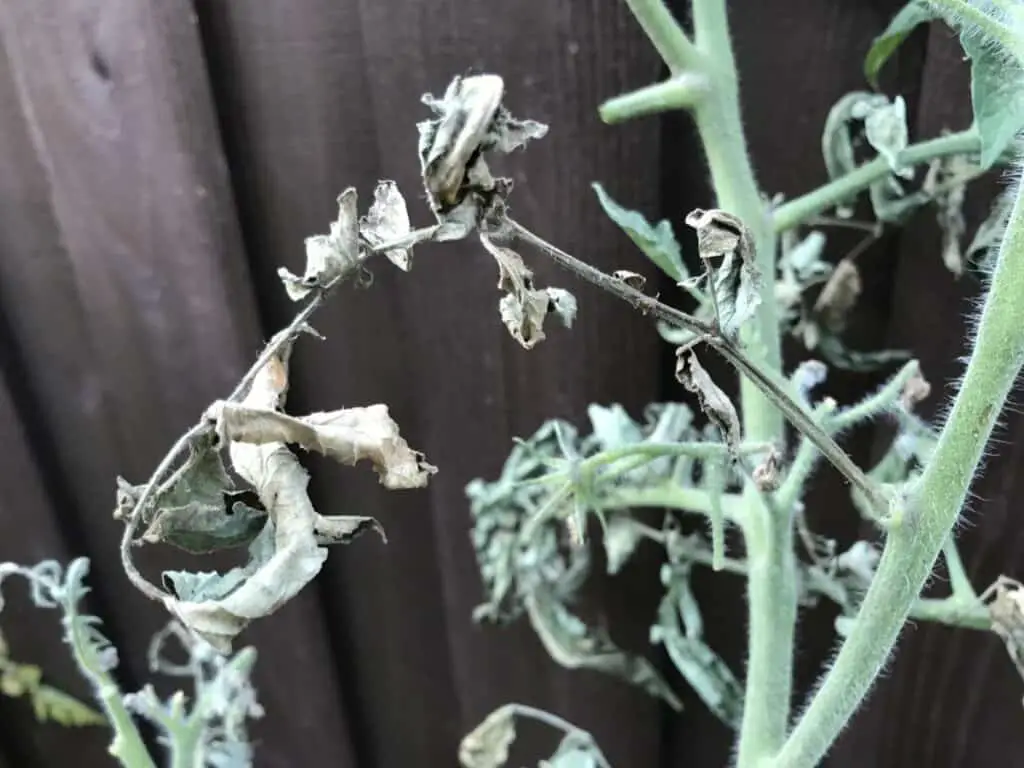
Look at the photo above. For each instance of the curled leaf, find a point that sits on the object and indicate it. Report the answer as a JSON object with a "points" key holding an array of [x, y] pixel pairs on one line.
{"points": [[524, 308], [387, 221], [288, 553], [1006, 611], [487, 745], [885, 128], [727, 249], [839, 296], [713, 401], [328, 257], [470, 121], [348, 435]]}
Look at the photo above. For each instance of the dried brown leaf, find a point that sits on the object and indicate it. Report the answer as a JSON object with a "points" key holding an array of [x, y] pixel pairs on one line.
{"points": [[839, 296], [348, 436], [713, 401], [387, 221], [524, 308], [487, 745], [328, 256]]}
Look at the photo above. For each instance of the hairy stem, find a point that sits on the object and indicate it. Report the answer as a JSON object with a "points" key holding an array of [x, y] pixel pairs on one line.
{"points": [[965, 13], [800, 209], [931, 510]]}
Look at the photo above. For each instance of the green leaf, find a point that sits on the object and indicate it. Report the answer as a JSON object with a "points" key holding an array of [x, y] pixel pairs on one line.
{"points": [[997, 95], [903, 23], [574, 645], [657, 242]]}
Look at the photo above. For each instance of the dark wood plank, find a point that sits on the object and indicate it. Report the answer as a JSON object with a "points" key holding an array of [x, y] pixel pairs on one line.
{"points": [[124, 279]]}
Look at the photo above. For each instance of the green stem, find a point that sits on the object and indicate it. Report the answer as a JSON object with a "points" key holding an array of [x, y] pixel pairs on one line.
{"points": [[682, 91], [771, 584], [668, 38], [919, 533], [796, 211], [959, 582], [964, 13], [673, 496]]}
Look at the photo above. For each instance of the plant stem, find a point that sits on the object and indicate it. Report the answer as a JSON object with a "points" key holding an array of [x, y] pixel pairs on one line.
{"points": [[674, 496], [798, 210], [931, 510], [668, 38], [682, 91], [771, 584], [966, 14]]}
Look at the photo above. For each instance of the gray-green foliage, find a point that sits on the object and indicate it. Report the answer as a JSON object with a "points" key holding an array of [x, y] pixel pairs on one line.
{"points": [[211, 731]]}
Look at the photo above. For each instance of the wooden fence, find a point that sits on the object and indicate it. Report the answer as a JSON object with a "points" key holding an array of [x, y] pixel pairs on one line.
{"points": [[159, 159]]}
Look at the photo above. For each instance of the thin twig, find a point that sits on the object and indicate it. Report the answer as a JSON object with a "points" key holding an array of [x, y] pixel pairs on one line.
{"points": [[774, 391]]}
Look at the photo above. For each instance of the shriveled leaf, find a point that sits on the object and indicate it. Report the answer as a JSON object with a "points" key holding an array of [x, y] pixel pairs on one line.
{"points": [[727, 250], [997, 95], [387, 221], [201, 512], [574, 645], [470, 120], [524, 308], [837, 139], [487, 745], [903, 23], [839, 296], [1006, 612], [885, 128], [658, 242], [200, 529], [328, 257], [990, 232], [347, 436], [713, 401]]}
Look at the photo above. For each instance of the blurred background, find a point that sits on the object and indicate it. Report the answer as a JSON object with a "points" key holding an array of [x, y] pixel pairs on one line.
{"points": [[160, 159]]}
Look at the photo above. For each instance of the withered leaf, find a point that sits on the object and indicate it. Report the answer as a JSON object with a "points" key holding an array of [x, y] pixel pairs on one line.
{"points": [[201, 512], [713, 401], [727, 250], [328, 257], [287, 554], [1006, 611], [839, 296], [348, 435], [387, 221], [487, 745], [524, 308], [470, 121]]}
